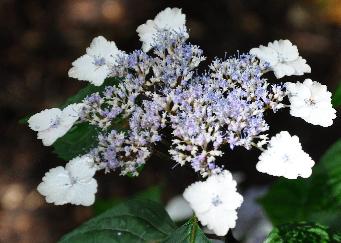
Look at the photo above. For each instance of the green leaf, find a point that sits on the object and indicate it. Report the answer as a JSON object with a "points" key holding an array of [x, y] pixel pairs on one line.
{"points": [[102, 205], [24, 120], [302, 232], [133, 221], [152, 193], [190, 232], [78, 141], [90, 89], [316, 199], [336, 100]]}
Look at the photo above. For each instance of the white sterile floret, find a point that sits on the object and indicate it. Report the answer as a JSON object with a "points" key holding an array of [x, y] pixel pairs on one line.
{"points": [[52, 124], [283, 58], [169, 19], [311, 101], [215, 202], [178, 209], [284, 157], [73, 184], [95, 65]]}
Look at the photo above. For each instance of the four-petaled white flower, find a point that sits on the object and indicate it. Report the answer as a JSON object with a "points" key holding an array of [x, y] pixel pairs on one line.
{"points": [[215, 202], [285, 157], [311, 101], [168, 19], [52, 124], [95, 65], [283, 58], [73, 184]]}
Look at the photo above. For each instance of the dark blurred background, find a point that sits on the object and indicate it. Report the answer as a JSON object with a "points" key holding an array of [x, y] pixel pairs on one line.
{"points": [[40, 39]]}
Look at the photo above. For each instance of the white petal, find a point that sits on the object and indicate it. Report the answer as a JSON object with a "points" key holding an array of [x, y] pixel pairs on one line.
{"points": [[300, 66], [225, 186], [81, 66], [170, 19], [44, 119], [81, 168], [282, 69], [218, 220], [298, 90], [318, 91], [322, 117], [55, 185], [146, 33], [50, 135], [287, 52], [70, 114], [101, 47], [266, 54], [85, 69], [197, 196], [82, 193]]}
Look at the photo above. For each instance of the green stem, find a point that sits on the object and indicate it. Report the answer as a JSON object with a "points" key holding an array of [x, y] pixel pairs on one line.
{"points": [[194, 229]]}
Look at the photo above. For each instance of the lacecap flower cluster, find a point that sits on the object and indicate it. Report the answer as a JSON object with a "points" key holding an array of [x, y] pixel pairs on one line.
{"points": [[160, 90]]}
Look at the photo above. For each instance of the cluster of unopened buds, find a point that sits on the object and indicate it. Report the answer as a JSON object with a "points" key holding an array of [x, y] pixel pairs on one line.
{"points": [[160, 89]]}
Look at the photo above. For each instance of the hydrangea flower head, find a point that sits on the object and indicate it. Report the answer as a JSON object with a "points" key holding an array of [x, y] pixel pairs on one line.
{"points": [[161, 94], [73, 184], [170, 19], [285, 157], [311, 101], [283, 58], [52, 124], [215, 202], [95, 65]]}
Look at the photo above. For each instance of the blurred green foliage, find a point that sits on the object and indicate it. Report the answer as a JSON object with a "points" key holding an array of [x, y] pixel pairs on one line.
{"points": [[302, 232], [336, 100]]}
